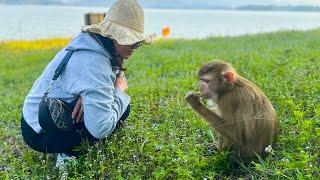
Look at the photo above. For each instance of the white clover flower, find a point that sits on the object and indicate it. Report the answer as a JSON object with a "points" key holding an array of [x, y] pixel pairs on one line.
{"points": [[268, 149], [286, 160], [64, 175]]}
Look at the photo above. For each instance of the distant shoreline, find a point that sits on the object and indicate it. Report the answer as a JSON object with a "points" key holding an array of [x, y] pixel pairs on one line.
{"points": [[29, 22], [66, 39], [238, 8]]}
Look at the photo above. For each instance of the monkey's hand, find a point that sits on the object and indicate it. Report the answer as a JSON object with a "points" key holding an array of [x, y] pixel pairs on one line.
{"points": [[193, 99]]}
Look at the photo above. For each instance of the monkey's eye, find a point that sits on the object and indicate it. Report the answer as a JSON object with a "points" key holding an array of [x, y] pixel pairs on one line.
{"points": [[205, 80]]}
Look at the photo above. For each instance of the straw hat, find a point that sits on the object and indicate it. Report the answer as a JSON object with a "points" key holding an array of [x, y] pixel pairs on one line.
{"points": [[124, 22]]}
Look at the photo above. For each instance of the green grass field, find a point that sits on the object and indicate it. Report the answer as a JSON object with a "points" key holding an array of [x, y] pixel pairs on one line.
{"points": [[164, 138]]}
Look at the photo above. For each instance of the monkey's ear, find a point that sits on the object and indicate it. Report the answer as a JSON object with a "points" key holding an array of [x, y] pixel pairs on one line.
{"points": [[229, 77]]}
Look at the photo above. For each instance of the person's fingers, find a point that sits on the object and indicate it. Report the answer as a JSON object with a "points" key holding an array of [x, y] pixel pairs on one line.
{"points": [[121, 79], [79, 115], [121, 82], [76, 108]]}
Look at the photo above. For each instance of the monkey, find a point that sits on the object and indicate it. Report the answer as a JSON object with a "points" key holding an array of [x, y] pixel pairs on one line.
{"points": [[237, 110]]}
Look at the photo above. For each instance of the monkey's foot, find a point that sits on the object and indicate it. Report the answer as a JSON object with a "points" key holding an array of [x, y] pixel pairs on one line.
{"points": [[215, 146]]}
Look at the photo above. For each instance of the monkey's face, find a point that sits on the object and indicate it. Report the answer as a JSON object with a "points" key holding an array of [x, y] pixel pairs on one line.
{"points": [[207, 86]]}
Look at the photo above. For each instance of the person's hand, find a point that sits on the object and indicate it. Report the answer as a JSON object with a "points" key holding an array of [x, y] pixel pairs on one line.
{"points": [[77, 113], [121, 82]]}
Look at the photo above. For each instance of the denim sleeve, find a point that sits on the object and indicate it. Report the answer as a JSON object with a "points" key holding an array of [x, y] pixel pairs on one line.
{"points": [[103, 109]]}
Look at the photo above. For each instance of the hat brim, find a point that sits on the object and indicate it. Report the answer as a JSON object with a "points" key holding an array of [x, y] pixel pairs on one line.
{"points": [[123, 35]]}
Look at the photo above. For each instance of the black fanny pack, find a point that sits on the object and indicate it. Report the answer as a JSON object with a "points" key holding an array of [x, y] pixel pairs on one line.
{"points": [[55, 112]]}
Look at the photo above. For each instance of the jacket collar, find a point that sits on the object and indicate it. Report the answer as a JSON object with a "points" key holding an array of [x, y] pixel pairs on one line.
{"points": [[103, 41]]}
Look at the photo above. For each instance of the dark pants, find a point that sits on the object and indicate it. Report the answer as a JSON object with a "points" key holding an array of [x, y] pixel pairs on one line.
{"points": [[52, 141]]}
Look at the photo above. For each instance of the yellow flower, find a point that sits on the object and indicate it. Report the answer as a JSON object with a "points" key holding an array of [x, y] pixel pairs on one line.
{"points": [[43, 44]]}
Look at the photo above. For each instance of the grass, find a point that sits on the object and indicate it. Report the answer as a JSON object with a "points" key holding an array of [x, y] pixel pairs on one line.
{"points": [[163, 138]]}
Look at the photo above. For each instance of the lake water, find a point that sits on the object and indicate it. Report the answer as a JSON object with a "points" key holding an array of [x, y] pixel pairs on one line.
{"points": [[35, 22]]}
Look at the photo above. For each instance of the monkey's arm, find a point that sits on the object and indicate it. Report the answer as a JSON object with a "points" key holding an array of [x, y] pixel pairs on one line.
{"points": [[211, 117]]}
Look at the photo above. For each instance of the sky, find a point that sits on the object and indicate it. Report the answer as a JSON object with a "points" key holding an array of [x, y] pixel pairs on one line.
{"points": [[266, 2], [227, 2], [181, 3], [279, 2]]}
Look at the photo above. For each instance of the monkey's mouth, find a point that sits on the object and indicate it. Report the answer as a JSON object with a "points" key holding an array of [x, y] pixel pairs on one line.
{"points": [[204, 96], [210, 103]]}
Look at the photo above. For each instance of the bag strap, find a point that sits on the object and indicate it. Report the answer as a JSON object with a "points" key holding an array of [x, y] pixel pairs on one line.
{"points": [[62, 66]]}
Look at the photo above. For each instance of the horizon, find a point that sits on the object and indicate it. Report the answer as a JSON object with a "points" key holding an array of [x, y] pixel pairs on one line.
{"points": [[177, 4], [172, 7]]}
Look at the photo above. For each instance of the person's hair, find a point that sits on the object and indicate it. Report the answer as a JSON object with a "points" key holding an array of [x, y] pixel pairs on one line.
{"points": [[108, 45]]}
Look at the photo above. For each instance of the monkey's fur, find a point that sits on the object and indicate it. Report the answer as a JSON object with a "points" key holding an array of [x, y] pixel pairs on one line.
{"points": [[243, 118]]}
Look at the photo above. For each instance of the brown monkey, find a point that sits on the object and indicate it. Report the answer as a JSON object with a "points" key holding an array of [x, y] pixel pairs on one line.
{"points": [[239, 111]]}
